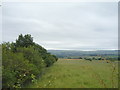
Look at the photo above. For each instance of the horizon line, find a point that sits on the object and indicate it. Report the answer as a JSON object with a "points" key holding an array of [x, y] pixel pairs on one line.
{"points": [[83, 50]]}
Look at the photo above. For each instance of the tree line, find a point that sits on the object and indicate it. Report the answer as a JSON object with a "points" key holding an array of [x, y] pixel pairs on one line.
{"points": [[23, 61]]}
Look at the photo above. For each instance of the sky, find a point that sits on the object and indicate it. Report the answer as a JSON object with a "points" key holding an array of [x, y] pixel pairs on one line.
{"points": [[63, 25]]}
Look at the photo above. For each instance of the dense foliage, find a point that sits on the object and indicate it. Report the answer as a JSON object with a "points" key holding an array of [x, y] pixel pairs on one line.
{"points": [[23, 61]]}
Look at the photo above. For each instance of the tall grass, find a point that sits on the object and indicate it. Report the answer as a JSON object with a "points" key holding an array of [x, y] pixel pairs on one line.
{"points": [[79, 74]]}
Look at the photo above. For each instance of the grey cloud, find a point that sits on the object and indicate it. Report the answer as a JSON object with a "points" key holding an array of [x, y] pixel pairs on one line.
{"points": [[63, 25]]}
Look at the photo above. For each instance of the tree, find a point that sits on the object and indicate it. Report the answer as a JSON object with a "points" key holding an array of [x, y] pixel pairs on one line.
{"points": [[80, 58], [24, 41]]}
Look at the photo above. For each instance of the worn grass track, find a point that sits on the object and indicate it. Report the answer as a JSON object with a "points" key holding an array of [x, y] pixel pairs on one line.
{"points": [[79, 74]]}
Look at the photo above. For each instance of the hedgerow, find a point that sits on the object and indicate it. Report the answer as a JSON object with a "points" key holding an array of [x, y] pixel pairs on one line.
{"points": [[23, 61]]}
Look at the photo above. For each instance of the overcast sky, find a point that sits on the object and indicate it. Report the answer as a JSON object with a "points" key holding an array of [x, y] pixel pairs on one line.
{"points": [[74, 26]]}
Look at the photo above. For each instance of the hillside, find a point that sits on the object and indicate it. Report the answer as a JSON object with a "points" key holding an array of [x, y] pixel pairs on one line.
{"points": [[71, 53]]}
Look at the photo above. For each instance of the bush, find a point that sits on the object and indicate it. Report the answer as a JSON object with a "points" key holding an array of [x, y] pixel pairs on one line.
{"points": [[49, 60], [23, 61], [90, 59]]}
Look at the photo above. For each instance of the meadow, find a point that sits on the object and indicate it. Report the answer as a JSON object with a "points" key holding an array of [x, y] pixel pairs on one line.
{"points": [[79, 73]]}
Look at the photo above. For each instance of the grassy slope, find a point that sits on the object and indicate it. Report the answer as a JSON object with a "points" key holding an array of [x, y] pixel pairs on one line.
{"points": [[79, 74]]}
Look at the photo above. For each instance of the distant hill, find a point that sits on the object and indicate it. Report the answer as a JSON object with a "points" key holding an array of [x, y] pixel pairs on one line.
{"points": [[73, 53]]}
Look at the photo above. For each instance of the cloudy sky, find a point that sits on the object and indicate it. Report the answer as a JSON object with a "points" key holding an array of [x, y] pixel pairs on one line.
{"points": [[69, 26]]}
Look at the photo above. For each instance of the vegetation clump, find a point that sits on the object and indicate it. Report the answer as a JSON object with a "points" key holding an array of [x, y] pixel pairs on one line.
{"points": [[23, 61]]}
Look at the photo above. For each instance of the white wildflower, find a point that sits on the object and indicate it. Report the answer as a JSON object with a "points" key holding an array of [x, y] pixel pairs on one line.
{"points": [[24, 75]]}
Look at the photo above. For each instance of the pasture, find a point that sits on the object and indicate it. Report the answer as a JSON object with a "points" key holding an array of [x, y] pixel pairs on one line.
{"points": [[76, 73]]}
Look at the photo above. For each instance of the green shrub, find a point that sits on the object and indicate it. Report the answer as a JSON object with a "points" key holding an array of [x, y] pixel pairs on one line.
{"points": [[23, 61]]}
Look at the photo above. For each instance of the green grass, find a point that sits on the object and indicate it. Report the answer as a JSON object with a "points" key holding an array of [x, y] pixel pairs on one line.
{"points": [[79, 74]]}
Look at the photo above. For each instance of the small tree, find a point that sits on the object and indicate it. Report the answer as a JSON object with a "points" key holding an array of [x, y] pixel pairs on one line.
{"points": [[24, 41], [80, 58]]}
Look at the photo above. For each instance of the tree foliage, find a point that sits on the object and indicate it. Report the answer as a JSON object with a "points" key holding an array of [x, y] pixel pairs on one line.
{"points": [[24, 41], [22, 60]]}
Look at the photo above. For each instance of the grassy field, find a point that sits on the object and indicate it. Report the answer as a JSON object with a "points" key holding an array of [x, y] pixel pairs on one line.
{"points": [[79, 74]]}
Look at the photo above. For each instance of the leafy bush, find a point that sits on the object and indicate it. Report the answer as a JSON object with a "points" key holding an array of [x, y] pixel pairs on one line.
{"points": [[22, 60]]}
